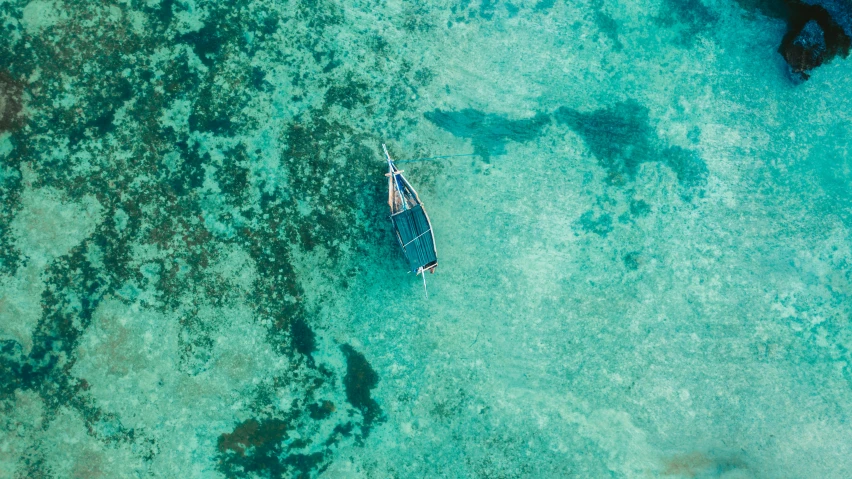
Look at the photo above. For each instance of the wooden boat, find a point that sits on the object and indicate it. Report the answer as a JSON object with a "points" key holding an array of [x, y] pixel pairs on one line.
{"points": [[410, 223]]}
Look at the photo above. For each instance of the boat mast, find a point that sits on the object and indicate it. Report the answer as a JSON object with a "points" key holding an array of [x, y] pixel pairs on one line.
{"points": [[387, 155]]}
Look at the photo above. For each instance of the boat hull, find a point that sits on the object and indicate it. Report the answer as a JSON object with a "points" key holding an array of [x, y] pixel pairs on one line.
{"points": [[414, 233]]}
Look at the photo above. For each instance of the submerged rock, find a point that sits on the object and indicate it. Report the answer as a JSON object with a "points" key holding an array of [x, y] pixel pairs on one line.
{"points": [[808, 48], [817, 32]]}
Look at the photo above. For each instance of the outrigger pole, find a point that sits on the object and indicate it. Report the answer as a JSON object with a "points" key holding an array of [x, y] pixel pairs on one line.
{"points": [[423, 273]]}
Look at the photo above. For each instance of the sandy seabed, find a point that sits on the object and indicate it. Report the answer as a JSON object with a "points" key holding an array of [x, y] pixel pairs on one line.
{"points": [[645, 260]]}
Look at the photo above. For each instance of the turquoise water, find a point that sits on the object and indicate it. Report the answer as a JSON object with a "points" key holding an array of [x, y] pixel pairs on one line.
{"points": [[645, 260]]}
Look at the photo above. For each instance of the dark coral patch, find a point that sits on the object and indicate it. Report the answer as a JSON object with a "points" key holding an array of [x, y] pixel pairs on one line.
{"points": [[544, 5], [690, 169], [359, 382], [304, 339], [330, 203], [233, 175], [486, 9], [206, 42], [253, 434], [348, 94], [254, 446], [269, 447], [639, 208], [11, 103], [303, 464], [188, 173], [211, 113], [321, 410], [10, 192]]}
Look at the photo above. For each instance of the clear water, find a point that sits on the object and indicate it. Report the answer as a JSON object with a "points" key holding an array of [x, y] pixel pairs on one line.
{"points": [[645, 267]]}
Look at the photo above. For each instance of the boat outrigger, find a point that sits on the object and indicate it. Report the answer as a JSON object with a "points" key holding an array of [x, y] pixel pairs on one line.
{"points": [[410, 223]]}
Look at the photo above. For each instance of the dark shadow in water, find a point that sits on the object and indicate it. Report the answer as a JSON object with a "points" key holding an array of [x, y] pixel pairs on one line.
{"points": [[304, 339], [359, 381], [10, 103], [489, 133], [621, 138]]}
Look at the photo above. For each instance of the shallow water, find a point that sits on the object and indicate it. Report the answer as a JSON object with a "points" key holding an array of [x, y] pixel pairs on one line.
{"points": [[645, 260]]}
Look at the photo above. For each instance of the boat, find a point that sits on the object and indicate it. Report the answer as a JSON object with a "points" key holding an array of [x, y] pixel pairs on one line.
{"points": [[410, 223]]}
